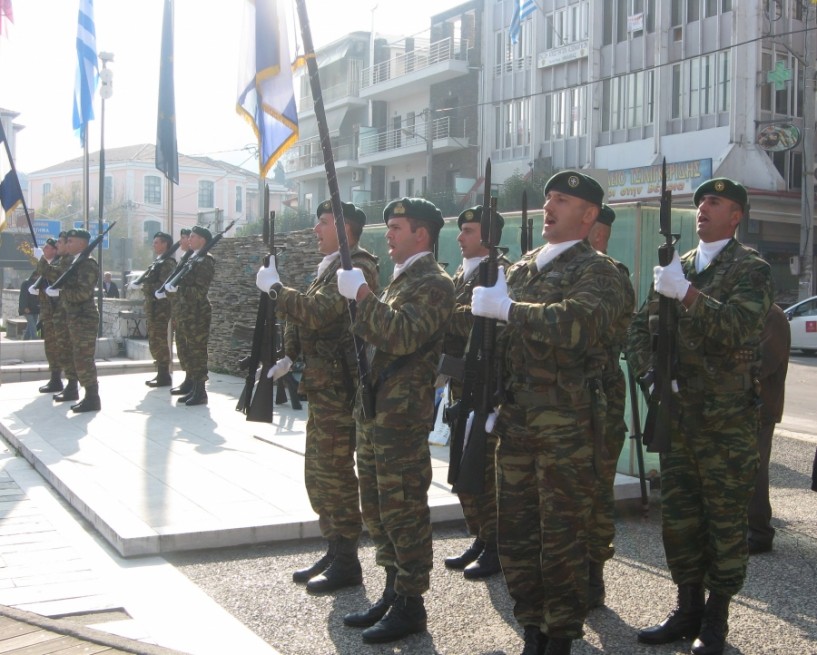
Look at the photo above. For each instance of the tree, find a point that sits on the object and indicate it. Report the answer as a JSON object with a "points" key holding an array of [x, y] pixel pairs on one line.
{"points": [[510, 196]]}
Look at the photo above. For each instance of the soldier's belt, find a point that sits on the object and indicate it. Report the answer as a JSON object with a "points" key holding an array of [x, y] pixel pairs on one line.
{"points": [[726, 383]]}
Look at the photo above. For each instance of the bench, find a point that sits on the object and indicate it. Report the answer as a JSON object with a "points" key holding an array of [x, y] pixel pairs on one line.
{"points": [[16, 328], [134, 322]]}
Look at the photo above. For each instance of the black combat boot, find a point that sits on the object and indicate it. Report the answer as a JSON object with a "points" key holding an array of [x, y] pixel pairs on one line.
{"points": [[714, 627], [344, 571], [595, 588], [377, 611], [54, 384], [91, 402], [406, 616], [198, 396], [184, 388], [305, 575], [535, 641], [71, 392], [486, 565], [468, 555], [162, 379], [684, 622], [558, 646]]}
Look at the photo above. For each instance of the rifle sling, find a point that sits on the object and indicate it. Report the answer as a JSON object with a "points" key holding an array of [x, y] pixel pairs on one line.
{"points": [[397, 364]]}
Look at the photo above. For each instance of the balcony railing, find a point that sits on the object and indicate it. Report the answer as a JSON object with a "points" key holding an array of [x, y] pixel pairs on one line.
{"points": [[308, 154], [347, 89], [408, 62], [406, 137]]}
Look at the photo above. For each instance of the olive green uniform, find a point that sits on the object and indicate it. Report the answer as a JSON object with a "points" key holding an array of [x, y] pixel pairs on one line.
{"points": [[179, 325], [318, 330], [64, 348], [404, 331], [157, 312], [82, 318], [48, 307], [193, 318]]}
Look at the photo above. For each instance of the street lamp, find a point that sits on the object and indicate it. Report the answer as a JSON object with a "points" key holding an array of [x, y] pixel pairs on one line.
{"points": [[105, 92]]}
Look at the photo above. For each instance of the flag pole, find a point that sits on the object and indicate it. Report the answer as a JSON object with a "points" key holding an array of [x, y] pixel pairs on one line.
{"points": [[17, 180], [334, 190]]}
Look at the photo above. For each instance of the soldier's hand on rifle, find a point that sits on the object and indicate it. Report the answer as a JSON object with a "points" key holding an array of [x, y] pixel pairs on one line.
{"points": [[280, 368], [37, 253], [169, 288], [53, 293], [159, 294], [267, 276], [492, 302], [33, 290], [669, 280], [349, 282]]}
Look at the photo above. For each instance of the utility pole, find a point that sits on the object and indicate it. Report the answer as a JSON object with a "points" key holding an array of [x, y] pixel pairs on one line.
{"points": [[806, 277]]}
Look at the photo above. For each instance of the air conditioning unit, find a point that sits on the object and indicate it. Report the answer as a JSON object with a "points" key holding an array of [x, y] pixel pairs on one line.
{"points": [[357, 175]]}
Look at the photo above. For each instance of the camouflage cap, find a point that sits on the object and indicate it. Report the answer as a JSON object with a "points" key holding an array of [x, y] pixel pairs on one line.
{"points": [[350, 212], [185, 232], [202, 232], [724, 187], [606, 215], [474, 215], [574, 183], [419, 209], [79, 233]]}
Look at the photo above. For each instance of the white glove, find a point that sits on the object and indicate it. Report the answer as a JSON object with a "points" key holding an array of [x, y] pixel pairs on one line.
{"points": [[492, 302], [159, 295], [169, 288], [267, 276], [280, 368], [349, 282], [669, 280], [37, 253], [33, 290], [54, 293], [134, 287]]}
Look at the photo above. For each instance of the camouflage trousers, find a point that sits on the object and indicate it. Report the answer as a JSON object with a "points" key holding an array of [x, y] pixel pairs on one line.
{"points": [[50, 337], [480, 509], [192, 337], [158, 317], [83, 331], [394, 467], [602, 529], [707, 480], [64, 348], [181, 344], [329, 464], [545, 486]]}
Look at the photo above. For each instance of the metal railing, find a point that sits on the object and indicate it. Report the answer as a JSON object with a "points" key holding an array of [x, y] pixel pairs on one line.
{"points": [[414, 60], [308, 154], [406, 137], [347, 89]]}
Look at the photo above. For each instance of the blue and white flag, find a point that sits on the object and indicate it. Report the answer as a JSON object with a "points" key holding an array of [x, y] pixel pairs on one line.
{"points": [[266, 97], [87, 69], [167, 154], [521, 10]]}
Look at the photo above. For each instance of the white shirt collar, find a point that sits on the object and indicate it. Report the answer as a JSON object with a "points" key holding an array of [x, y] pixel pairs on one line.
{"points": [[326, 262], [551, 251], [706, 252], [400, 268], [469, 266]]}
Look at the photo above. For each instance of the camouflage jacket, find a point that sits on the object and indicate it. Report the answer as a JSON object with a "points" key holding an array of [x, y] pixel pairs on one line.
{"points": [[616, 338], [553, 343], [193, 287], [77, 293], [318, 326], [719, 335], [156, 278], [404, 330]]}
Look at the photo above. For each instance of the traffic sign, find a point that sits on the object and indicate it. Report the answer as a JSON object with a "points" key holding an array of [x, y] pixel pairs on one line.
{"points": [[46, 229]]}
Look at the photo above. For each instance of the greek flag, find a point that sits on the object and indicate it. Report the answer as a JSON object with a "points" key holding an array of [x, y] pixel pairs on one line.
{"points": [[87, 69], [266, 98], [521, 10]]}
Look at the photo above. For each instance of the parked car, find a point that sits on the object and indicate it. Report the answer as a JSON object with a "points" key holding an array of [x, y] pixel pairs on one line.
{"points": [[803, 321]]}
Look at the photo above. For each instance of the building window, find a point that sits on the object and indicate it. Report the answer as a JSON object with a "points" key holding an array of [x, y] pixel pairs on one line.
{"points": [[566, 26], [239, 199], [206, 193], [153, 190], [108, 194], [410, 187], [394, 189], [566, 114], [693, 10], [512, 124], [626, 19], [700, 86], [46, 189], [628, 101]]}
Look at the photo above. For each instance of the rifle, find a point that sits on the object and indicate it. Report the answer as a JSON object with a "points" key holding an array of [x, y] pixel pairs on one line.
{"points": [[157, 263], [466, 467], [662, 409], [183, 268], [637, 438], [81, 257], [526, 227]]}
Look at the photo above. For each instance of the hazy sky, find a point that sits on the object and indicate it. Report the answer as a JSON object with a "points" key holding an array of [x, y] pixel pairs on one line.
{"points": [[38, 62]]}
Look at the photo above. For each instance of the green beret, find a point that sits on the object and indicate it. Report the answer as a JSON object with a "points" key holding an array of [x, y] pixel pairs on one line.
{"points": [[606, 215], [185, 232], [573, 183], [63, 235], [474, 215], [419, 209], [79, 234], [724, 187], [202, 232], [350, 212], [51, 242]]}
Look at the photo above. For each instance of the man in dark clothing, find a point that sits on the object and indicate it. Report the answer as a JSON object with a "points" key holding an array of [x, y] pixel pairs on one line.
{"points": [[109, 287], [29, 306]]}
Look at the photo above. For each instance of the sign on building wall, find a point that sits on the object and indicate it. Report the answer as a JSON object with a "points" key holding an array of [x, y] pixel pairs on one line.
{"points": [[46, 229], [645, 181], [569, 52]]}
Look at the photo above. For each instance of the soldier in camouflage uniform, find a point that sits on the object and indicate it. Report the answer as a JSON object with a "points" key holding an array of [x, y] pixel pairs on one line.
{"points": [[564, 297], [602, 521], [47, 309], [480, 559], [77, 298], [724, 291], [186, 385], [194, 315], [64, 349], [318, 329], [157, 310], [404, 331]]}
